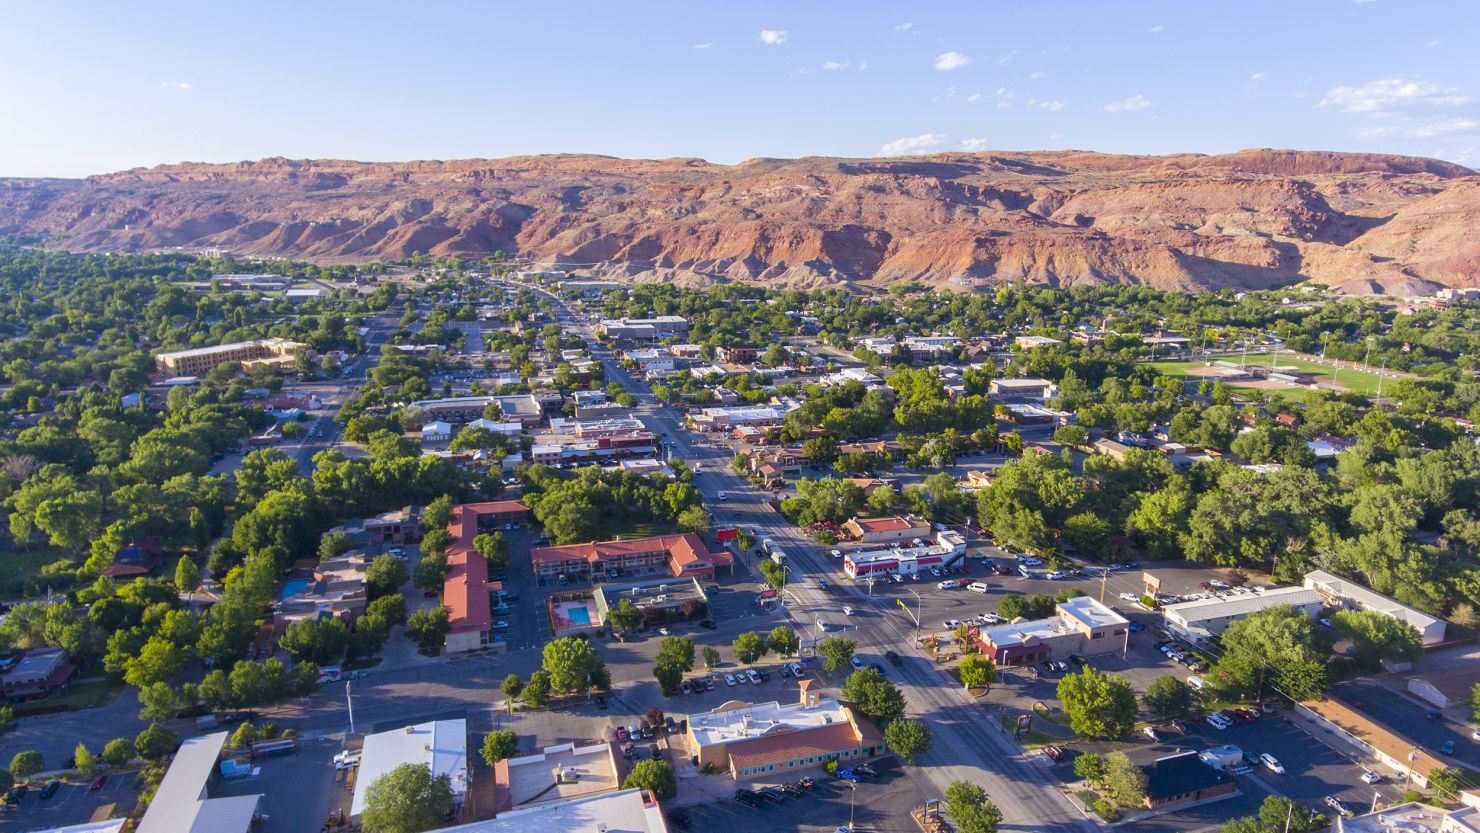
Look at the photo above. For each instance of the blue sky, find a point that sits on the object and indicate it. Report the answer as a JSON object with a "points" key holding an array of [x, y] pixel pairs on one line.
{"points": [[95, 87]]}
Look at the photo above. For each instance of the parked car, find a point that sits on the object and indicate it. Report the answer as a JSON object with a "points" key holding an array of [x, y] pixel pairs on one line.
{"points": [[1150, 732], [1370, 777], [952, 624], [1339, 806], [707, 624], [1216, 722], [772, 795], [1272, 764], [16, 794], [848, 775], [796, 670], [857, 663], [729, 679], [755, 677], [679, 818], [1130, 597], [50, 789], [865, 769], [1054, 752]]}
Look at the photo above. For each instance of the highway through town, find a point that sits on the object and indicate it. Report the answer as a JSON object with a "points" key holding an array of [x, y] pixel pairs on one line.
{"points": [[969, 743]]}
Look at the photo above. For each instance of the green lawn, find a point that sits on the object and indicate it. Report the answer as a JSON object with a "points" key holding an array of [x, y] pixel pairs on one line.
{"points": [[89, 695], [18, 565], [1354, 380]]}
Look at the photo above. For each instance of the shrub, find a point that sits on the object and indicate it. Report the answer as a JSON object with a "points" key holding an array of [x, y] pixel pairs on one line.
{"points": [[830, 766], [1105, 810]]}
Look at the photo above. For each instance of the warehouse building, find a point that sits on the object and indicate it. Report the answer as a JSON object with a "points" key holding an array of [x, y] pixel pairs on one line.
{"points": [[442, 745], [1203, 619], [180, 804], [1341, 593]]}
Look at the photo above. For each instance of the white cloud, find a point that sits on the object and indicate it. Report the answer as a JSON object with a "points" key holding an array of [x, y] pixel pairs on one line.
{"points": [[1052, 106], [951, 60], [974, 97], [923, 143], [1126, 105], [1157, 28], [705, 45], [1006, 57], [774, 37], [182, 86], [1431, 44], [974, 144], [904, 27], [1003, 105], [1038, 75], [1258, 76], [1427, 130], [1053, 136], [1388, 94], [838, 66]]}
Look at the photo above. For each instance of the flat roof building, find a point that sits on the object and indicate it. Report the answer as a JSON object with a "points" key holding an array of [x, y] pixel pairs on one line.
{"points": [[555, 773], [199, 360], [761, 740], [1206, 618], [1413, 817], [886, 530], [1083, 625], [180, 804], [625, 811], [440, 744], [1340, 592], [1022, 388]]}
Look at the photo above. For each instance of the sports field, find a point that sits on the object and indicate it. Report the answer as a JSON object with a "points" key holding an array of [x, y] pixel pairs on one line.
{"points": [[1341, 378]]}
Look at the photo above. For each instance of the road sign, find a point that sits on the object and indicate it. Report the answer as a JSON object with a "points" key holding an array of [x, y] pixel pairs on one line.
{"points": [[1151, 583], [726, 535]]}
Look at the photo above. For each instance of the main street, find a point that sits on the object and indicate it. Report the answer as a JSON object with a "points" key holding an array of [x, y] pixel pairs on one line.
{"points": [[968, 742]]}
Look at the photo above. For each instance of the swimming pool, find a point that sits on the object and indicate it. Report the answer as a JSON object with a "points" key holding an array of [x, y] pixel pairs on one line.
{"points": [[293, 587], [579, 615]]}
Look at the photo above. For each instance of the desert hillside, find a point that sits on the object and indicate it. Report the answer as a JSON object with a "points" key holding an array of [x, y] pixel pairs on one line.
{"points": [[1252, 219]]}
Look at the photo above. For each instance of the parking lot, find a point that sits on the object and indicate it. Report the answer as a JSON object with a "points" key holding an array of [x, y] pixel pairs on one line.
{"points": [[298, 790], [880, 804], [73, 803]]}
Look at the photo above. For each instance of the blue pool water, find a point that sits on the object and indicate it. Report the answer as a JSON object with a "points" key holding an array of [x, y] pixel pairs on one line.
{"points": [[579, 615], [292, 587]]}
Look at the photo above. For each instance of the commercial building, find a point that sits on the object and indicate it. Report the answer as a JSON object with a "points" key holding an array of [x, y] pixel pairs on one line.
{"points": [[1341, 593], [554, 774], [198, 361], [1183, 777], [1083, 625], [38, 673], [1034, 342], [442, 745], [1024, 413], [1206, 618], [524, 409], [886, 530], [624, 811], [680, 555], [643, 329], [653, 599], [1413, 817], [609, 446], [436, 431], [180, 804], [1374, 739], [1022, 388], [948, 548], [725, 419], [767, 740]]}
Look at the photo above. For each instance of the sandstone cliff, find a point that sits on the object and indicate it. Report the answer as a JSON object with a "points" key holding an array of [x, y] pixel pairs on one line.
{"points": [[1252, 219]]}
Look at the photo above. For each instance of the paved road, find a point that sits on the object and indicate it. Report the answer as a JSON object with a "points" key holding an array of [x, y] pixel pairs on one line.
{"points": [[966, 745]]}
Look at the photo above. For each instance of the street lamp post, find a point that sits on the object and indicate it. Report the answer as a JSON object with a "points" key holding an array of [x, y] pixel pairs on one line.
{"points": [[1408, 776], [852, 794]]}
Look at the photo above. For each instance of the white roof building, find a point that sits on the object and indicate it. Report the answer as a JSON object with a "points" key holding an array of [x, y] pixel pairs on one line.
{"points": [[1342, 593], [1204, 618], [624, 811], [180, 804], [440, 744], [109, 826]]}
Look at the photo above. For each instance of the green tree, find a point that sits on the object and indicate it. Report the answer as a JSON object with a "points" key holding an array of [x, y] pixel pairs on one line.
{"points": [[624, 616], [386, 574], [1125, 781], [572, 664], [783, 640], [677, 650], [836, 652], [26, 763], [1090, 766], [7, 781], [155, 742], [711, 657], [668, 674], [157, 661], [429, 629], [1098, 705], [494, 549], [118, 752], [1168, 697], [86, 762], [977, 671], [749, 647], [408, 799], [1278, 647], [874, 695], [655, 776], [908, 738], [511, 687], [500, 744], [320, 641], [1376, 636], [537, 692], [968, 806], [1446, 782], [187, 575]]}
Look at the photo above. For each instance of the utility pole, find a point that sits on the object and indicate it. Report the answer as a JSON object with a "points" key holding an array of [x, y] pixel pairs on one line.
{"points": [[1104, 579], [348, 701]]}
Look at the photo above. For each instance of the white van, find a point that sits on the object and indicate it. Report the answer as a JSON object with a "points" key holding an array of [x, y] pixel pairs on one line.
{"points": [[977, 587], [1196, 682]]}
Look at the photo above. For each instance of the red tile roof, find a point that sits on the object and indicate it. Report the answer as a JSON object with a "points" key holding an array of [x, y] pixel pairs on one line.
{"points": [[683, 551], [464, 525], [778, 747], [465, 592]]}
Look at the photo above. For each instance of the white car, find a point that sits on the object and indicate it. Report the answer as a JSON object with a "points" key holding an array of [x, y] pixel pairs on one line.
{"points": [[857, 663], [729, 679], [1216, 722], [1371, 777], [1272, 764], [722, 495], [898, 579], [948, 584], [1055, 575], [952, 624], [837, 553], [847, 611], [346, 759], [991, 619], [1130, 597], [755, 678]]}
